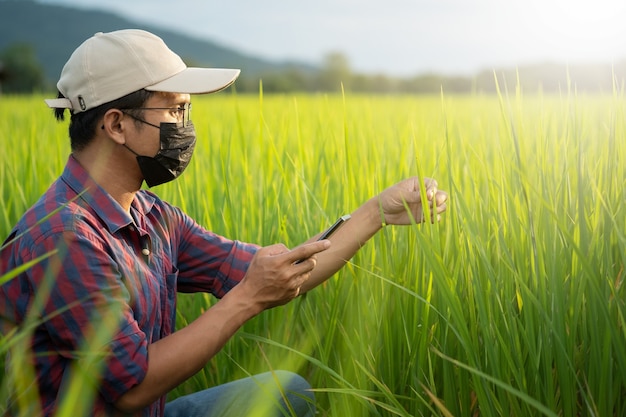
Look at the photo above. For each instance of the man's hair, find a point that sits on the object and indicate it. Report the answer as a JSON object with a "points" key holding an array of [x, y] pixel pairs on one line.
{"points": [[83, 125]]}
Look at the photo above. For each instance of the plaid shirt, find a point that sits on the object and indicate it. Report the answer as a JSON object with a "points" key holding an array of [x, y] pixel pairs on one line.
{"points": [[99, 278]]}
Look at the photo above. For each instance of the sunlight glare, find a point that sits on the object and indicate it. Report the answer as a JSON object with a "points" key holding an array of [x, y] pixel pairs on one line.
{"points": [[580, 20]]}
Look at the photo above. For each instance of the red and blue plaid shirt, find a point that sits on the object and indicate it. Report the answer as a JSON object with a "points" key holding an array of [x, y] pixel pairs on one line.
{"points": [[98, 263]]}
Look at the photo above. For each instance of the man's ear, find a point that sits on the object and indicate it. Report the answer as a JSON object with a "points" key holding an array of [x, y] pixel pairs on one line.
{"points": [[114, 125]]}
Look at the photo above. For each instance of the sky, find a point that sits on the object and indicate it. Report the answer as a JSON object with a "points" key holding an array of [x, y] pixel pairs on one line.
{"points": [[397, 37]]}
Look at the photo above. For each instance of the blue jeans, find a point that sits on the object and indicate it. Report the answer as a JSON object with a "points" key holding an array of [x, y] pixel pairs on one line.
{"points": [[272, 394]]}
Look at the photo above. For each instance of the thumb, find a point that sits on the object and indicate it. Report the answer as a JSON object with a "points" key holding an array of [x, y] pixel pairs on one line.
{"points": [[412, 197]]}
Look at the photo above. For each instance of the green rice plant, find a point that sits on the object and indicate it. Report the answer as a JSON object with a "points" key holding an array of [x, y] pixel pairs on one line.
{"points": [[512, 304]]}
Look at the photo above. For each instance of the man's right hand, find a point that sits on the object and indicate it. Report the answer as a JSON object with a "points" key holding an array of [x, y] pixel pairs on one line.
{"points": [[275, 276]]}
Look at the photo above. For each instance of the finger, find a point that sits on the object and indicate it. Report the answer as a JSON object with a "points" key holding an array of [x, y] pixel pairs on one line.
{"points": [[435, 216], [307, 263], [439, 208], [441, 197], [307, 250], [412, 198], [430, 182], [301, 279], [431, 188]]}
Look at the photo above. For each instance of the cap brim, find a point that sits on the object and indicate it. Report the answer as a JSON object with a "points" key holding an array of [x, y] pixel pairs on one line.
{"points": [[197, 81]]}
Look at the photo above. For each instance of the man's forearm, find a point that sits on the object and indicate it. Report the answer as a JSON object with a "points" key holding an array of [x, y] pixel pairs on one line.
{"points": [[364, 223]]}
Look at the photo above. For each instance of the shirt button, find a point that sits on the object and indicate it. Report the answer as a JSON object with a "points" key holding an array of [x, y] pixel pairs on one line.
{"points": [[131, 228]]}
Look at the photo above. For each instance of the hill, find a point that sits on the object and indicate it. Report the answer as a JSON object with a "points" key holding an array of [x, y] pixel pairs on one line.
{"points": [[55, 31]]}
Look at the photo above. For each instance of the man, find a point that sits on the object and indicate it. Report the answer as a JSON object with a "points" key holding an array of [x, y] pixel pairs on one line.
{"points": [[112, 256]]}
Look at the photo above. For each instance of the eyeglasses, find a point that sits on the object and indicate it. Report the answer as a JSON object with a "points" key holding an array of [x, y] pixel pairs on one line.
{"points": [[182, 113]]}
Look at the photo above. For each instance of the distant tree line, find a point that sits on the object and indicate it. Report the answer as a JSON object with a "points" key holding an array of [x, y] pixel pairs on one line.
{"points": [[336, 73], [21, 72]]}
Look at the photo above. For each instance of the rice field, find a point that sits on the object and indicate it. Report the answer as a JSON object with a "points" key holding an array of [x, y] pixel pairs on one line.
{"points": [[512, 305]]}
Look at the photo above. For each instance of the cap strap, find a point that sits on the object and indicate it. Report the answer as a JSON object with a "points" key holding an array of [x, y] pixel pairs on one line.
{"points": [[59, 103]]}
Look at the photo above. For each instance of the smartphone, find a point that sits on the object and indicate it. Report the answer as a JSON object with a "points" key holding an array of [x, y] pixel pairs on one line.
{"points": [[332, 229]]}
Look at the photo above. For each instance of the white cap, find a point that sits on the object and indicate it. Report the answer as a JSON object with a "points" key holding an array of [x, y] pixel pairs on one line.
{"points": [[111, 65]]}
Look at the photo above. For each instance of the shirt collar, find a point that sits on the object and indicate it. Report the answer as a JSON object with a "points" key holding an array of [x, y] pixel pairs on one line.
{"points": [[106, 207]]}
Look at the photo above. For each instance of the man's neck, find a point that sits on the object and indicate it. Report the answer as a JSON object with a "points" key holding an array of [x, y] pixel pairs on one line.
{"points": [[111, 172]]}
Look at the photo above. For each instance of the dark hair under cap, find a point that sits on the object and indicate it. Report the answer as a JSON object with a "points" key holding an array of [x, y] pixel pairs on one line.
{"points": [[83, 125]]}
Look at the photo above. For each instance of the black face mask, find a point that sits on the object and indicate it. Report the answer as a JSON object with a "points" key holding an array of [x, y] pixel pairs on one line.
{"points": [[177, 145]]}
